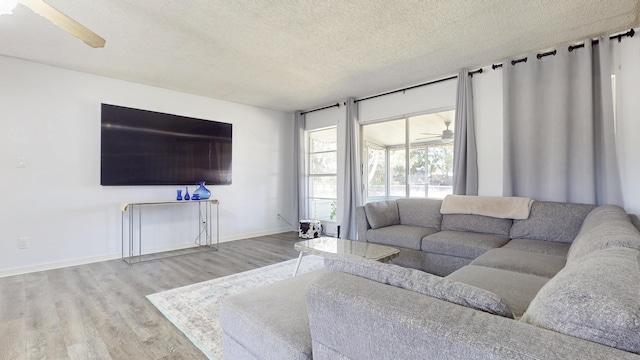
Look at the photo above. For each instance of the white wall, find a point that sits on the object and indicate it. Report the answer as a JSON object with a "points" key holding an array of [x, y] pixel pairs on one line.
{"points": [[51, 117], [429, 98], [325, 118]]}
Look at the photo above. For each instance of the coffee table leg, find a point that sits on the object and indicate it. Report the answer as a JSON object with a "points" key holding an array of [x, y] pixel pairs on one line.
{"points": [[297, 264]]}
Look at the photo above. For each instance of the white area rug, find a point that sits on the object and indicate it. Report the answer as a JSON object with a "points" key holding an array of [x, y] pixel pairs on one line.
{"points": [[194, 308]]}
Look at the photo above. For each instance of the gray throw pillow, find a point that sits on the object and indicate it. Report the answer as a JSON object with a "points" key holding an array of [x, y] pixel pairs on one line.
{"points": [[596, 298], [420, 212], [420, 282], [382, 213]]}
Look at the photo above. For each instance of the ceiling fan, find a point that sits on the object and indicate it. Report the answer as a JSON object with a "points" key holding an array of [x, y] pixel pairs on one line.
{"points": [[446, 136], [57, 18]]}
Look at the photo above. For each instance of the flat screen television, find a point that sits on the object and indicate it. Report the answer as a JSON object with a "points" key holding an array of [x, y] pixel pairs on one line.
{"points": [[140, 147]]}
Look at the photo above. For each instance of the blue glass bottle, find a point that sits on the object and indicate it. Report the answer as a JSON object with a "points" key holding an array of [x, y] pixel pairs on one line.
{"points": [[203, 192], [179, 197], [186, 193]]}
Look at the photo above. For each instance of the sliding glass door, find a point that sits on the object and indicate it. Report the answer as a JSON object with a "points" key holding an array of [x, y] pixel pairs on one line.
{"points": [[427, 171]]}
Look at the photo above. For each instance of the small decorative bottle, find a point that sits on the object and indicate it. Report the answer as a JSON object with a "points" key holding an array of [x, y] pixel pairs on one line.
{"points": [[202, 191], [186, 193], [179, 197]]}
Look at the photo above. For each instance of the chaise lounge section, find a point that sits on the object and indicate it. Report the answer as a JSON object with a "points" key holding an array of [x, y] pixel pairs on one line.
{"points": [[564, 282]]}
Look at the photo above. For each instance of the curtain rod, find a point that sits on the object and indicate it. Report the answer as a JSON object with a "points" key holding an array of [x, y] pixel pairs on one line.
{"points": [[322, 108], [471, 73], [629, 33]]}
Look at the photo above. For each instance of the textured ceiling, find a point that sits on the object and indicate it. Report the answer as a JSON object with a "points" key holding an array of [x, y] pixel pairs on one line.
{"points": [[296, 54]]}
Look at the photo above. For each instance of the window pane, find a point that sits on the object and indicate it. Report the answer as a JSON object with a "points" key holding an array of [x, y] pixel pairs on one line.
{"points": [[398, 179], [324, 163], [431, 160], [323, 187], [440, 160], [322, 167], [322, 209], [323, 140], [380, 138], [376, 172], [418, 172]]}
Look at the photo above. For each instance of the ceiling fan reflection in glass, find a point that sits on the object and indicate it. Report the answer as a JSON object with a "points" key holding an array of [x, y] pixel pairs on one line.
{"points": [[446, 136]]}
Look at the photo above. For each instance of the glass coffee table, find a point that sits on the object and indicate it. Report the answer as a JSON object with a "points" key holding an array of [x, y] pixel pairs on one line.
{"points": [[328, 245]]}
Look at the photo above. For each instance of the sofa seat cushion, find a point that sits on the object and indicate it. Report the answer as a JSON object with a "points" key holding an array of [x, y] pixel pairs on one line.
{"points": [[539, 246], [525, 262], [461, 244], [382, 213], [421, 282], [406, 236], [517, 289], [596, 298], [420, 212], [551, 221], [281, 332], [476, 223], [437, 264]]}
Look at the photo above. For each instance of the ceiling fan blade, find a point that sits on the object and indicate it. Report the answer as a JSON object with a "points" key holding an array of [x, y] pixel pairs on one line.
{"points": [[63, 21], [429, 138]]}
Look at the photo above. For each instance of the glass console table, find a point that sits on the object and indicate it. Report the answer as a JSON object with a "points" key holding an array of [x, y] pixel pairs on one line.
{"points": [[203, 241]]}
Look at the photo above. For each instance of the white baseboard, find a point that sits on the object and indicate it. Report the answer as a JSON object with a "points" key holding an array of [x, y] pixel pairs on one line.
{"points": [[93, 259], [57, 265]]}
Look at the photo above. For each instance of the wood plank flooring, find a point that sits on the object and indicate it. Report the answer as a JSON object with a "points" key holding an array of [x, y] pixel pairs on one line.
{"points": [[99, 311]]}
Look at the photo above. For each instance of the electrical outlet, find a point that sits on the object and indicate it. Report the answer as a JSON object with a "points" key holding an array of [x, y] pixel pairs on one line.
{"points": [[23, 243], [21, 162]]}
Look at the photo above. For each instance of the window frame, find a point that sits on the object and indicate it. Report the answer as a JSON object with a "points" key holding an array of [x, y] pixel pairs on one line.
{"points": [[407, 147], [310, 176]]}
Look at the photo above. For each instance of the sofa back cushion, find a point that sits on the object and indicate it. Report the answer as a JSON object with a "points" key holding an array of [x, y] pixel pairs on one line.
{"points": [[476, 223], [595, 298], [421, 282], [551, 221], [420, 212], [605, 227], [382, 213]]}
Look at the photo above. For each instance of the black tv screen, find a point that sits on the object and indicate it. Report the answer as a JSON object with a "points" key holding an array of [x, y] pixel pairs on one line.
{"points": [[140, 147]]}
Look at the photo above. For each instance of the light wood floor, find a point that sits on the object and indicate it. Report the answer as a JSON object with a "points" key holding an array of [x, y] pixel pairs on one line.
{"points": [[99, 311]]}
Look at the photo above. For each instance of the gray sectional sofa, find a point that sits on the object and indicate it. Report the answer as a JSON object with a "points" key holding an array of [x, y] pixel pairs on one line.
{"points": [[563, 283]]}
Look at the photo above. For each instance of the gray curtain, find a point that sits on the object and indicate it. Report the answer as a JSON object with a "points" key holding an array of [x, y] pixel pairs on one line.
{"points": [[299, 173], [608, 179], [465, 158], [352, 185], [558, 127]]}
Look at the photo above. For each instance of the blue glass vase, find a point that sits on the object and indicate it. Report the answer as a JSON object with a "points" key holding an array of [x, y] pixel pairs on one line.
{"points": [[179, 197], [203, 192], [186, 194]]}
